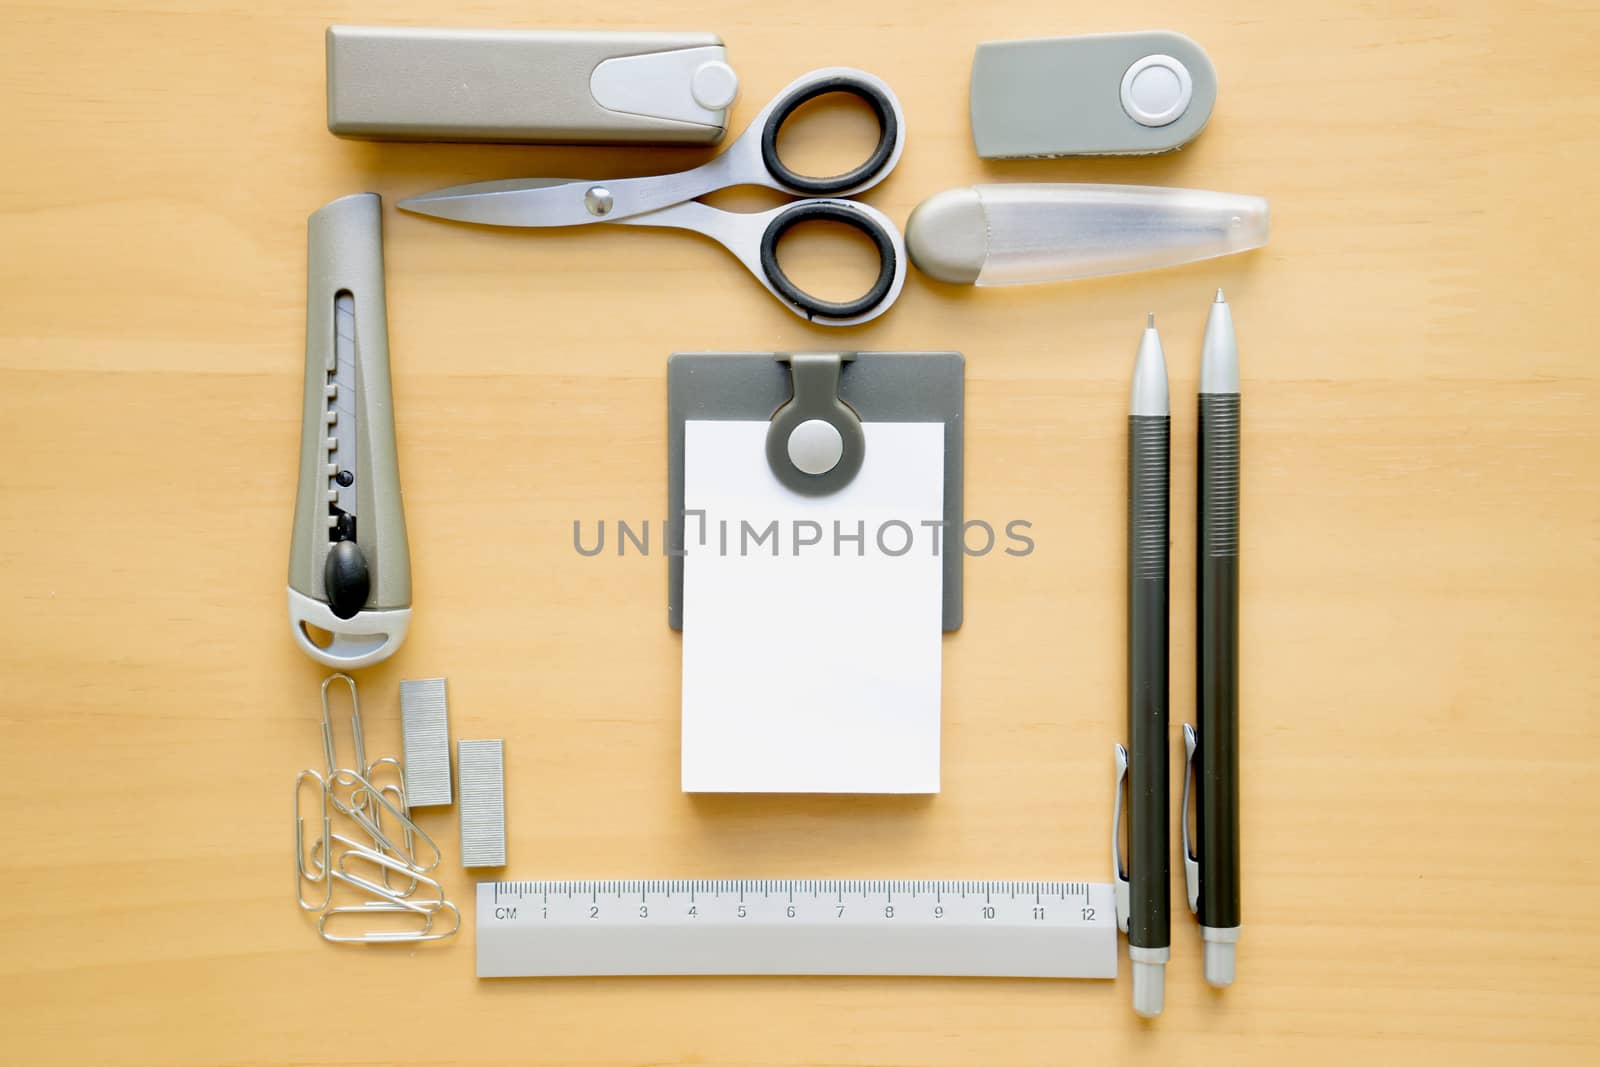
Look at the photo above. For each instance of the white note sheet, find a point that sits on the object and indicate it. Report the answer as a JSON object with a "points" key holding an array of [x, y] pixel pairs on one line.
{"points": [[812, 626]]}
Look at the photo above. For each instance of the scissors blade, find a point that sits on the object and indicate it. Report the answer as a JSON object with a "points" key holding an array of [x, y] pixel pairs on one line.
{"points": [[510, 202]]}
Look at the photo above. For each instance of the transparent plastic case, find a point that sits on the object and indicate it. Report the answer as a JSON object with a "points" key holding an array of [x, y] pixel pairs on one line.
{"points": [[1054, 232]]}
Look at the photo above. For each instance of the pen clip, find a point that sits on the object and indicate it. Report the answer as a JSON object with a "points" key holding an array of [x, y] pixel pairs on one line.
{"points": [[1191, 858], [1119, 870]]}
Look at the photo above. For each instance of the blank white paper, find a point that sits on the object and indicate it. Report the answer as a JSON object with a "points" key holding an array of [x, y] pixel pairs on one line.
{"points": [[806, 669]]}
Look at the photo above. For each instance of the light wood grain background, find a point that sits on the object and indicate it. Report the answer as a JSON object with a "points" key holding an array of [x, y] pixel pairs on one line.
{"points": [[1421, 525]]}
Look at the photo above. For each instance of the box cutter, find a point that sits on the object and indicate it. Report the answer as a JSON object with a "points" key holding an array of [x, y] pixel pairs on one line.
{"points": [[349, 564]]}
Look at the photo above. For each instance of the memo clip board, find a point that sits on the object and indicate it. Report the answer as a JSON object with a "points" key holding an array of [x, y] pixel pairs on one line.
{"points": [[795, 390]]}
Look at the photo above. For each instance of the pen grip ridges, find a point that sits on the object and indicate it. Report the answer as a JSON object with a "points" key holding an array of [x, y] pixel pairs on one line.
{"points": [[1219, 474], [1148, 473]]}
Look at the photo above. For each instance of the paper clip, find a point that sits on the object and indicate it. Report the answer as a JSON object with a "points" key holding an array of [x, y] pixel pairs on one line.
{"points": [[378, 810], [357, 811], [379, 937], [397, 790], [330, 753], [383, 893], [387, 863], [301, 874]]}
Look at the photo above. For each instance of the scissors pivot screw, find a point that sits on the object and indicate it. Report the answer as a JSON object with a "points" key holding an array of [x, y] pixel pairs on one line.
{"points": [[599, 201]]}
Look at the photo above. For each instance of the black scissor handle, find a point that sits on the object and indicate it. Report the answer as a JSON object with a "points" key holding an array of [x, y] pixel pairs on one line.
{"points": [[839, 184], [829, 211]]}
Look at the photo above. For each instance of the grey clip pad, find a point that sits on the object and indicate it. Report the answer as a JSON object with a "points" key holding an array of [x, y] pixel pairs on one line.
{"points": [[873, 386], [1076, 96]]}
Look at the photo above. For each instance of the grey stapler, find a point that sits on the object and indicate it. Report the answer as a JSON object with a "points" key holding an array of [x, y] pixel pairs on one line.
{"points": [[414, 83], [349, 564]]}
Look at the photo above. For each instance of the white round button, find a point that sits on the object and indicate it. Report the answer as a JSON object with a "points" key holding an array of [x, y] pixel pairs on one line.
{"points": [[1156, 90], [815, 447], [714, 85]]}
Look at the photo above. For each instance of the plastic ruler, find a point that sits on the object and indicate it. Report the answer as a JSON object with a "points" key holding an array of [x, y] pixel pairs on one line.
{"points": [[797, 926]]}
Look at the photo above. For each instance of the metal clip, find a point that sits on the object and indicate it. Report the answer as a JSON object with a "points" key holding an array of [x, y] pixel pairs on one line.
{"points": [[356, 810], [378, 937], [352, 790], [330, 754], [387, 863], [396, 790], [301, 874], [385, 892], [1119, 869], [1191, 858]]}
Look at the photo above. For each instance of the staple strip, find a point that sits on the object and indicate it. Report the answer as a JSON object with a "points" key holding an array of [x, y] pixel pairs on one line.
{"points": [[483, 803], [425, 726]]}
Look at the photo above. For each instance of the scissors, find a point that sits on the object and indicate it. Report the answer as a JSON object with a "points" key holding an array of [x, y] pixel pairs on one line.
{"points": [[671, 199]]}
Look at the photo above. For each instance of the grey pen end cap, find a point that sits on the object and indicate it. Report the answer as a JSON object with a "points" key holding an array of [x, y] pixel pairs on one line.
{"points": [[1219, 964], [1149, 988], [948, 236]]}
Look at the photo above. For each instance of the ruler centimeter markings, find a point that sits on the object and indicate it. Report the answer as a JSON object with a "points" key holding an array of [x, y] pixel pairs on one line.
{"points": [[796, 926]]}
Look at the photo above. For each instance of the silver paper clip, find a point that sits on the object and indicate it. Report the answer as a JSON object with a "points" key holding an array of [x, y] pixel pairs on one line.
{"points": [[380, 811], [301, 874], [378, 937]]}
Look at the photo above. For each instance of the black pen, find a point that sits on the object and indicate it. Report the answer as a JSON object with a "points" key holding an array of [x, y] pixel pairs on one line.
{"points": [[1144, 904], [1211, 863]]}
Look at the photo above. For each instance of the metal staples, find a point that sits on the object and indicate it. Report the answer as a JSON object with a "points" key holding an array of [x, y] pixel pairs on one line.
{"points": [[424, 722], [483, 803]]}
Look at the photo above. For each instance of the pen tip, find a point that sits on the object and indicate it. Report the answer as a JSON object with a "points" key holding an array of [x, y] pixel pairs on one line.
{"points": [[1220, 300], [1150, 321]]}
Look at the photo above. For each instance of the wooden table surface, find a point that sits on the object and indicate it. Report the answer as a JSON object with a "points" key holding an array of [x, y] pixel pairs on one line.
{"points": [[1421, 665]]}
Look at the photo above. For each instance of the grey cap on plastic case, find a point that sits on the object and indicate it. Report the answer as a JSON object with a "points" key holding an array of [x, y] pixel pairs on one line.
{"points": [[947, 236], [1063, 96]]}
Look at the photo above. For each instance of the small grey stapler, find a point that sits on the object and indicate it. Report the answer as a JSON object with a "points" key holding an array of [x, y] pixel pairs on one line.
{"points": [[349, 563], [409, 83]]}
